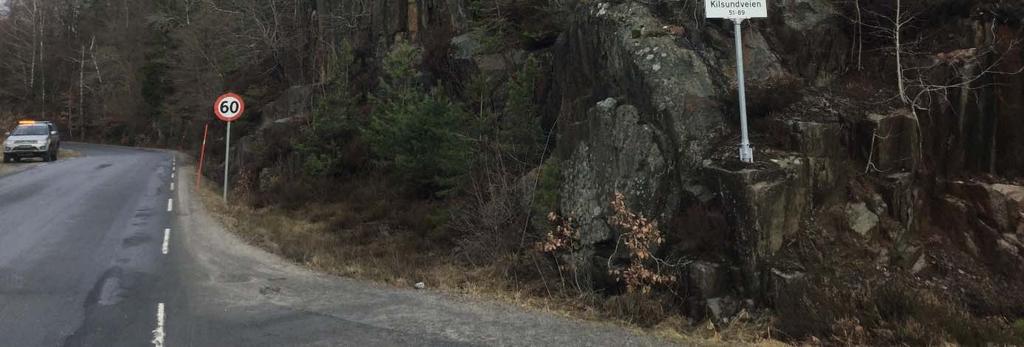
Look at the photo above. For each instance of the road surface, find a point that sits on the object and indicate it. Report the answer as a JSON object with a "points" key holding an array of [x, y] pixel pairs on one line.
{"points": [[111, 249]]}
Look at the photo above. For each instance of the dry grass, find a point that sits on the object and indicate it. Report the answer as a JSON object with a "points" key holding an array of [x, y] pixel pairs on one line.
{"points": [[67, 153], [395, 242], [12, 167]]}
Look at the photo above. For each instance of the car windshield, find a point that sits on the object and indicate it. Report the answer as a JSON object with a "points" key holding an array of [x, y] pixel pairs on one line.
{"points": [[31, 130]]}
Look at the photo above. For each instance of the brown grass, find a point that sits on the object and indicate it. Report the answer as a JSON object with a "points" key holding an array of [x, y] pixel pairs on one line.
{"points": [[401, 242], [64, 154], [67, 153]]}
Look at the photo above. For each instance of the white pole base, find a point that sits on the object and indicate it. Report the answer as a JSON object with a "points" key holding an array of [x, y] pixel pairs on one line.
{"points": [[746, 154]]}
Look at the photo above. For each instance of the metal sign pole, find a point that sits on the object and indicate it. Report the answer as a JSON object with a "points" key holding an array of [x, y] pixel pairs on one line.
{"points": [[746, 153], [227, 158], [202, 157]]}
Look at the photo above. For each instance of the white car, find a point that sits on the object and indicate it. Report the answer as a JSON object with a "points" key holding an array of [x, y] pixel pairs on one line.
{"points": [[32, 139]]}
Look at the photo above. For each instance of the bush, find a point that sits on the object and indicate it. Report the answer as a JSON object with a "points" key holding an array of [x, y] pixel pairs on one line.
{"points": [[886, 313], [640, 236], [332, 127], [545, 196], [520, 132], [1018, 330], [424, 138]]}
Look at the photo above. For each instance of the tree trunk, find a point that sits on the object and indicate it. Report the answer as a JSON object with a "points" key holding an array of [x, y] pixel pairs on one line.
{"points": [[899, 53], [81, 96]]}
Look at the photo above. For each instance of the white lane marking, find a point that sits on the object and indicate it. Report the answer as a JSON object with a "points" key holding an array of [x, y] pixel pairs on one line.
{"points": [[172, 175], [158, 333], [167, 237], [170, 204], [172, 186]]}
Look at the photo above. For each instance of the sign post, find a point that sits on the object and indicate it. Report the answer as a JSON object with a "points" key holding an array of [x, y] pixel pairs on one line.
{"points": [[737, 11], [228, 108], [202, 156]]}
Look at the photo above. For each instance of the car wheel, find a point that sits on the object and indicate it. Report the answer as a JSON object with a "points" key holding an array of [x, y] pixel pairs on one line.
{"points": [[54, 157], [17, 159], [7, 159]]}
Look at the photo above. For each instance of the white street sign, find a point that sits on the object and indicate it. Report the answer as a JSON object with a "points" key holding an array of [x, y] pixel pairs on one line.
{"points": [[735, 9]]}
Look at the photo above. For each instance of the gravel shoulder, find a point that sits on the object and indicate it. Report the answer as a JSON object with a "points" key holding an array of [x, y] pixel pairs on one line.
{"points": [[11, 168], [222, 271]]}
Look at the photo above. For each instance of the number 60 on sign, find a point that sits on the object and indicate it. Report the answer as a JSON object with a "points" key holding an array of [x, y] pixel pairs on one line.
{"points": [[229, 107]]}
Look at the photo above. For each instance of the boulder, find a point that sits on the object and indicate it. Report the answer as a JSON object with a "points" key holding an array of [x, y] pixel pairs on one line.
{"points": [[676, 87], [764, 206], [722, 308], [280, 121], [1009, 256], [707, 279], [822, 144], [465, 46], [1000, 205], [784, 282], [491, 63], [810, 23], [294, 103], [861, 220], [892, 141], [617, 154]]}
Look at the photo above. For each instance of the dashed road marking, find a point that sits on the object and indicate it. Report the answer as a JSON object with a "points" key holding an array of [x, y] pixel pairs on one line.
{"points": [[172, 175], [170, 204], [158, 333], [167, 238], [172, 186]]}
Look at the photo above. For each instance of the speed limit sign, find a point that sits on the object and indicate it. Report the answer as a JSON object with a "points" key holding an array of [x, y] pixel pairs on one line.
{"points": [[229, 107]]}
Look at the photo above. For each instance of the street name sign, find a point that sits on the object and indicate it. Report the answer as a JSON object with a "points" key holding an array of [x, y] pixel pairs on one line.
{"points": [[734, 9], [737, 11]]}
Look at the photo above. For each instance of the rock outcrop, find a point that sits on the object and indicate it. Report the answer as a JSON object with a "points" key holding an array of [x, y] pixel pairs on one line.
{"points": [[853, 165], [677, 82], [616, 153]]}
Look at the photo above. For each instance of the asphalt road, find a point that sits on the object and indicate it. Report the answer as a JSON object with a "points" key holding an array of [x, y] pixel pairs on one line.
{"points": [[84, 262]]}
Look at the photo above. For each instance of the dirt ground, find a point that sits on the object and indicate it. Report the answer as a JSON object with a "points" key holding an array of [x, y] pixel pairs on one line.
{"points": [[10, 168]]}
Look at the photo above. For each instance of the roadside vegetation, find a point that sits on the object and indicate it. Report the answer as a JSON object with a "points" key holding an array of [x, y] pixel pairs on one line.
{"points": [[399, 241]]}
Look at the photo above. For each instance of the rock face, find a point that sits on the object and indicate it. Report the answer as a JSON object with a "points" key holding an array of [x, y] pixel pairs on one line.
{"points": [[989, 218], [893, 141], [280, 120], [999, 206], [796, 25], [607, 53], [617, 153], [678, 84], [764, 206]]}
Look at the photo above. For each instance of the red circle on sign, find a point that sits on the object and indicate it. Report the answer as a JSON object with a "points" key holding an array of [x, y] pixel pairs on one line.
{"points": [[229, 107]]}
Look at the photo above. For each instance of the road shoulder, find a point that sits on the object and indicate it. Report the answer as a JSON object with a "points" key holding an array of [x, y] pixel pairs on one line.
{"points": [[7, 169], [235, 274]]}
